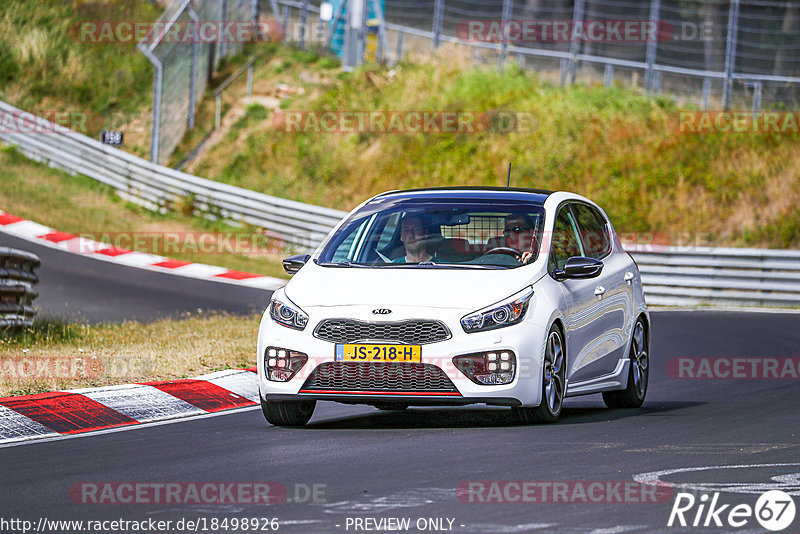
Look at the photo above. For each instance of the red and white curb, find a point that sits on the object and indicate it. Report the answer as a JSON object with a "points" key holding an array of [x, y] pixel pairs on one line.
{"points": [[42, 235], [59, 413]]}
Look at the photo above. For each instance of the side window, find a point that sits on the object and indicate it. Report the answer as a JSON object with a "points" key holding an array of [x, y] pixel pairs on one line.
{"points": [[346, 250], [593, 231], [565, 243]]}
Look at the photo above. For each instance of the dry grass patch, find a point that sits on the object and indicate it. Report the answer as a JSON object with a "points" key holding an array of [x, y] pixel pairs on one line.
{"points": [[55, 356]]}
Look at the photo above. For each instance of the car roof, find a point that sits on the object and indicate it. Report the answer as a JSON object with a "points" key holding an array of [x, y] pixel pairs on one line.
{"points": [[472, 192]]}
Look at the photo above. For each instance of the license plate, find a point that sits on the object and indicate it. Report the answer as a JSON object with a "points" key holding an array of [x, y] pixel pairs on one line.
{"points": [[378, 353]]}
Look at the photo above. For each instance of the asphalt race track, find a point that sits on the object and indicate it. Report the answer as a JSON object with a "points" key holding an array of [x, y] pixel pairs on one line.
{"points": [[367, 464], [96, 291]]}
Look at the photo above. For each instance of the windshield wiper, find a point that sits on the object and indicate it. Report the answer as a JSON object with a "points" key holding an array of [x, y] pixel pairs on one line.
{"points": [[439, 265], [344, 263]]}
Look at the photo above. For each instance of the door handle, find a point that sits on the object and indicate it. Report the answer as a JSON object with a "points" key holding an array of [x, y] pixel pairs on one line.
{"points": [[598, 291], [628, 277]]}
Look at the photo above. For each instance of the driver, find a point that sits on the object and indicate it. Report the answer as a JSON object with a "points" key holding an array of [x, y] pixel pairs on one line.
{"points": [[519, 234], [416, 235]]}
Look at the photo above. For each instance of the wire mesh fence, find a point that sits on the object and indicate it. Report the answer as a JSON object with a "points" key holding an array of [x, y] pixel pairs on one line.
{"points": [[715, 53], [186, 45]]}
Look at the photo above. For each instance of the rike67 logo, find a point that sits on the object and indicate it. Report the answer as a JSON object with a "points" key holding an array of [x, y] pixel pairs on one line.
{"points": [[774, 510]]}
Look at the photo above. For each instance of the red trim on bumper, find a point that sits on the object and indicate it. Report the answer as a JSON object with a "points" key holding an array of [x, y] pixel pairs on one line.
{"points": [[406, 393]]}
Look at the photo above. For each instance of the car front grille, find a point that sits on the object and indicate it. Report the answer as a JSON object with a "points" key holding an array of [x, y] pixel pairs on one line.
{"points": [[379, 377], [416, 332]]}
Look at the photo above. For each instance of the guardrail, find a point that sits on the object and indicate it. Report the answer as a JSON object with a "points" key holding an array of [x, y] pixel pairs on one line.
{"points": [[17, 278], [161, 188], [675, 276], [671, 275]]}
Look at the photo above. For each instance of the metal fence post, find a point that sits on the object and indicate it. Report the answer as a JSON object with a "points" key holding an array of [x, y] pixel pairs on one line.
{"points": [[286, 21], [193, 71], [362, 31], [501, 58], [438, 11], [223, 49], [303, 20], [158, 82], [575, 44], [218, 111], [399, 51], [706, 98], [757, 88], [652, 44], [608, 75], [730, 53], [255, 10]]}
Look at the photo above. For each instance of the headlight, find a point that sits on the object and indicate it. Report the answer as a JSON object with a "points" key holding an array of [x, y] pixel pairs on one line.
{"points": [[285, 312], [505, 313]]}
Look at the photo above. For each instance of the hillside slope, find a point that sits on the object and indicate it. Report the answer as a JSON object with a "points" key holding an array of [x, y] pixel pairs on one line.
{"points": [[614, 145]]}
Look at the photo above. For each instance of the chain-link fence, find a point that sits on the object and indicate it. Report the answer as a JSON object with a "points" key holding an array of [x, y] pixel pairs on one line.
{"points": [[716, 53], [186, 45]]}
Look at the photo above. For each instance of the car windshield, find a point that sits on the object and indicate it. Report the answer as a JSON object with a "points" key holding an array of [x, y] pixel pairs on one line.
{"points": [[437, 233]]}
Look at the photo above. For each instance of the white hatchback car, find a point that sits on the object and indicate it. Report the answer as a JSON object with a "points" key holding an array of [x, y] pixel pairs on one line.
{"points": [[454, 296]]}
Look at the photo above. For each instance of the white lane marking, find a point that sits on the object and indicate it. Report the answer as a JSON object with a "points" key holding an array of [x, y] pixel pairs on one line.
{"points": [[507, 529], [790, 483], [621, 528], [15, 427], [140, 402], [129, 427]]}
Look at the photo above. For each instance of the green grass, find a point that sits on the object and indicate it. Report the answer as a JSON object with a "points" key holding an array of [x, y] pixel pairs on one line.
{"points": [[83, 206], [83, 355], [44, 65], [612, 144]]}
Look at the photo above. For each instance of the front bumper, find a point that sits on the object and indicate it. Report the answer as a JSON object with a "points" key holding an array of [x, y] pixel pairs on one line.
{"points": [[526, 340]]}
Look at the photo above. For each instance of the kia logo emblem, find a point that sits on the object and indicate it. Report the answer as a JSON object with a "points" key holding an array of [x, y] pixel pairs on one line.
{"points": [[381, 311]]}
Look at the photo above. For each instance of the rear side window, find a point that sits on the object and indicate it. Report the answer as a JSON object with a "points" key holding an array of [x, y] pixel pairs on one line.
{"points": [[593, 230]]}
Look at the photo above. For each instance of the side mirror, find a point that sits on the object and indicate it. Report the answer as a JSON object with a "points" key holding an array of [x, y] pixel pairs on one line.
{"points": [[292, 264], [579, 267]]}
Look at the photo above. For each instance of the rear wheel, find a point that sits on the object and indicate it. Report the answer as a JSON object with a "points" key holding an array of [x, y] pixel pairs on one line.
{"points": [[633, 394], [288, 413], [553, 379]]}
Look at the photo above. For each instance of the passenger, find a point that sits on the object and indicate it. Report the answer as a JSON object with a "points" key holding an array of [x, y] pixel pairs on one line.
{"points": [[417, 238]]}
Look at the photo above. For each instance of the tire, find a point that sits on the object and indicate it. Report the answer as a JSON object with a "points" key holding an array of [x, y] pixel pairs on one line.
{"points": [[288, 413], [638, 374], [553, 380], [389, 407]]}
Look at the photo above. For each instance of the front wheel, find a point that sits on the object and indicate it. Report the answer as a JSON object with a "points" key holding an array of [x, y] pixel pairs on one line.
{"points": [[553, 381], [288, 413], [633, 394]]}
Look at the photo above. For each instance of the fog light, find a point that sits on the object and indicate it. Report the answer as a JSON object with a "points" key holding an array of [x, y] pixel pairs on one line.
{"points": [[482, 367], [282, 364]]}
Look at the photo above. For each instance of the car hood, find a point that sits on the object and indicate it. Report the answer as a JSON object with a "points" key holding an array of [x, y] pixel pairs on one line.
{"points": [[469, 289]]}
